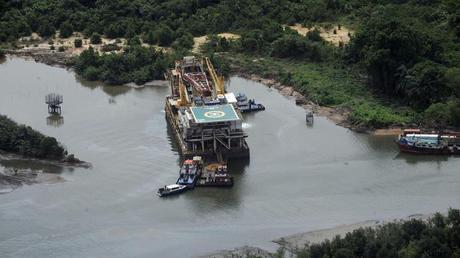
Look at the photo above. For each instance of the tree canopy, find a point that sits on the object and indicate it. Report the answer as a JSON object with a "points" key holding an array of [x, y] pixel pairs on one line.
{"points": [[408, 49], [24, 140], [437, 237]]}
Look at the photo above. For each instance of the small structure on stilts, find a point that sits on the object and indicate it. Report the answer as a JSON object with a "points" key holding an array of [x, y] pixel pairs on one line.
{"points": [[54, 102], [309, 118]]}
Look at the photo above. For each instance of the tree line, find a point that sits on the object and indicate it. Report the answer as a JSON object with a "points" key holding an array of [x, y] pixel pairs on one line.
{"points": [[436, 237], [24, 140], [135, 64], [409, 50]]}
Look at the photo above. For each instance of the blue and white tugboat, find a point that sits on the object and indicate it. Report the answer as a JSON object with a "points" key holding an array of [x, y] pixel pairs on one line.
{"points": [[190, 172], [246, 105], [171, 190]]}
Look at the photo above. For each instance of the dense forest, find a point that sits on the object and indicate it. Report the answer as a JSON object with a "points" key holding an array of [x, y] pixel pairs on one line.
{"points": [[24, 140], [402, 65], [437, 237]]}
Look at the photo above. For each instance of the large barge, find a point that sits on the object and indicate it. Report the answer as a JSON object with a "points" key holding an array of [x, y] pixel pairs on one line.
{"points": [[204, 117], [418, 142]]}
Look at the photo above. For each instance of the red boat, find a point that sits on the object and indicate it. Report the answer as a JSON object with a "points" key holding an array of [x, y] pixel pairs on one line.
{"points": [[418, 142]]}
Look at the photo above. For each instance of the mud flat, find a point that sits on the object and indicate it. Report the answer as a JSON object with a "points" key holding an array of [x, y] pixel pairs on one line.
{"points": [[43, 55], [11, 179], [245, 251], [17, 171], [291, 243]]}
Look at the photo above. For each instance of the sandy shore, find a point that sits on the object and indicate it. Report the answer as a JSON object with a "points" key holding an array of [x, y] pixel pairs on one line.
{"points": [[293, 242], [245, 251]]}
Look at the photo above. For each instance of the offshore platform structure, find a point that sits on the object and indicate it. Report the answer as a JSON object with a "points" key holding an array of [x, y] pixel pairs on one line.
{"points": [[203, 116], [54, 102]]}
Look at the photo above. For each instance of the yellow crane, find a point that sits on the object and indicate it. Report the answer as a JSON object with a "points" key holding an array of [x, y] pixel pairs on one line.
{"points": [[183, 96], [218, 80]]}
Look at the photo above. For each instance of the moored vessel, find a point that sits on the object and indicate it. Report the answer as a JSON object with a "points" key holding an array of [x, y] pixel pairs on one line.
{"points": [[171, 190], [190, 172], [215, 175], [417, 141], [204, 118], [246, 105]]}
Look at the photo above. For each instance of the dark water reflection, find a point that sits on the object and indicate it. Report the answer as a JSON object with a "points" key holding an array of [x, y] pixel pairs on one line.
{"points": [[299, 178], [433, 159], [111, 90], [55, 120]]}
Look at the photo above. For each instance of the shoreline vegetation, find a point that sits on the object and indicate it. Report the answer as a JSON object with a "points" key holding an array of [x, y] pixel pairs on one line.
{"points": [[368, 64], [24, 141], [20, 142], [435, 235]]}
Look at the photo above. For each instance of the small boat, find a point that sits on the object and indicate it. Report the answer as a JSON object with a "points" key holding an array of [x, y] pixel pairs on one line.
{"points": [[417, 142], [171, 190], [251, 106], [246, 105], [190, 172], [241, 97], [215, 175]]}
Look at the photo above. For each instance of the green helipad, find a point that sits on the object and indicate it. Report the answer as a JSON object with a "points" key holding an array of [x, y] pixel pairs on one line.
{"points": [[214, 114]]}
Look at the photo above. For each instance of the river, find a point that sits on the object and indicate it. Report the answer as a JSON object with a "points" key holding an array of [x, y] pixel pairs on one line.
{"points": [[299, 178]]}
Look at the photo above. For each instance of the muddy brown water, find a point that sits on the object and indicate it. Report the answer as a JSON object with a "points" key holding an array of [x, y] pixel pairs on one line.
{"points": [[298, 179]]}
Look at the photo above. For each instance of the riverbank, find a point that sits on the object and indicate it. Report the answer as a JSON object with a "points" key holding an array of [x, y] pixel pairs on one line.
{"points": [[292, 243], [44, 55], [350, 105], [362, 177], [20, 144], [67, 61], [340, 115], [361, 113], [17, 170]]}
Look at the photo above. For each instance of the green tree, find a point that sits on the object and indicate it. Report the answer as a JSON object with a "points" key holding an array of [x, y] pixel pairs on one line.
{"points": [[453, 80], [87, 58], [150, 37], [24, 140], [185, 42], [95, 39], [424, 84], [386, 43], [314, 35], [66, 29], [91, 73], [164, 35], [46, 29], [78, 43]]}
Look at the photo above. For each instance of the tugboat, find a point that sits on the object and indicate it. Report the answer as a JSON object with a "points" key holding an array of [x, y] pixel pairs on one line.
{"points": [[215, 175], [171, 190], [246, 106], [417, 142], [190, 172]]}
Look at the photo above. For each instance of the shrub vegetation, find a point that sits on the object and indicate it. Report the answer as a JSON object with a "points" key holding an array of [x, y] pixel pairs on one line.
{"points": [[136, 64], [437, 237], [405, 52], [24, 140]]}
